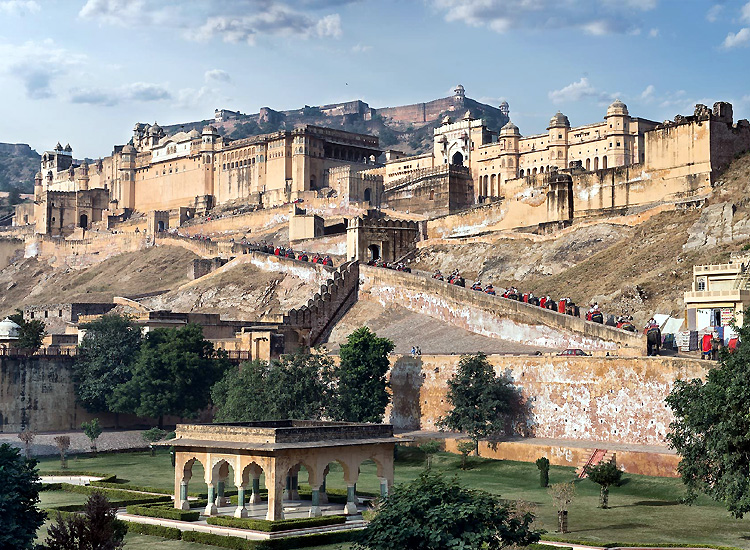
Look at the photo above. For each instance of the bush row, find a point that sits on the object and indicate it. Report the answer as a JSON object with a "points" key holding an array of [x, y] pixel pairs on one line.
{"points": [[129, 487], [275, 526], [287, 543], [155, 530], [555, 538], [164, 512]]}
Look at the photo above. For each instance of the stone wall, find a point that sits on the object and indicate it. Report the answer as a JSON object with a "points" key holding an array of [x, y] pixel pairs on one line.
{"points": [[608, 399], [11, 249], [494, 316], [36, 393], [431, 191], [201, 267]]}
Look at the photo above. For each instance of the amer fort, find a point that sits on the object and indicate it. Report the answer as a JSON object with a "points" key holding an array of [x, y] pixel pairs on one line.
{"points": [[333, 226]]}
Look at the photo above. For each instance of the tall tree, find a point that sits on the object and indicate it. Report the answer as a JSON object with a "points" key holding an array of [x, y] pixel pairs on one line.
{"points": [[605, 474], [31, 333], [19, 495], [96, 529], [105, 359], [711, 429], [361, 388], [432, 512], [173, 374], [483, 405], [294, 387]]}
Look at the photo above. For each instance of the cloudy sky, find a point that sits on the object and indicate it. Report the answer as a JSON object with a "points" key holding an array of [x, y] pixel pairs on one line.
{"points": [[84, 71]]}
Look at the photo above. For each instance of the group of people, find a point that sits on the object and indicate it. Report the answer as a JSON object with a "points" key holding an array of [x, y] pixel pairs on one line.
{"points": [[397, 266], [454, 278], [288, 252]]}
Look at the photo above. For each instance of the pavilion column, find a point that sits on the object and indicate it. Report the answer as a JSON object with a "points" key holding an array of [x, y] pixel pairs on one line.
{"points": [[294, 484], [323, 495], [288, 488], [383, 487], [220, 488], [315, 510], [275, 485], [211, 509], [255, 495], [183, 503], [351, 499], [241, 511]]}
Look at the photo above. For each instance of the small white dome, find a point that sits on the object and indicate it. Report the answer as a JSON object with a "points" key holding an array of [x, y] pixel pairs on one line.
{"points": [[8, 329]]}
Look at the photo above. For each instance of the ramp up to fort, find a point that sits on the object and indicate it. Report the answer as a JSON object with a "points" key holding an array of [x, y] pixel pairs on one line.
{"points": [[493, 316]]}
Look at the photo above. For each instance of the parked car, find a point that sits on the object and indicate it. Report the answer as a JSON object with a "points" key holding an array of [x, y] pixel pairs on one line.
{"points": [[574, 351]]}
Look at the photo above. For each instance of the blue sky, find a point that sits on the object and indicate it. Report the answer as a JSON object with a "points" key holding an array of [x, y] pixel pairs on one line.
{"points": [[84, 71]]}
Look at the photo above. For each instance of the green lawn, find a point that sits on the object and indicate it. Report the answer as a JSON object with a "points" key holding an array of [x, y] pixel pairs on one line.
{"points": [[644, 509]]}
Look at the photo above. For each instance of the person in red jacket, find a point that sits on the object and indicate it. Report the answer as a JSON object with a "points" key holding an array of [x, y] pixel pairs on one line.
{"points": [[706, 346]]}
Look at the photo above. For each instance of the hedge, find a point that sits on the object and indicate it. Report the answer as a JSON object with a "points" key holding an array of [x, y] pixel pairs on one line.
{"points": [[542, 546], [119, 495], [275, 526], [164, 512], [129, 487], [555, 538], [155, 530], [287, 543]]}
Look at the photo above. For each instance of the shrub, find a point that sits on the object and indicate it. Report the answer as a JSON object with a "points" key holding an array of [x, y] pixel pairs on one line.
{"points": [[155, 530], [275, 526], [117, 497], [543, 465], [164, 512], [235, 543]]}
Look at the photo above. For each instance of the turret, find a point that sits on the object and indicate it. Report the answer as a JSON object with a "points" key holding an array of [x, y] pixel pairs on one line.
{"points": [[559, 126], [38, 187], [618, 120]]}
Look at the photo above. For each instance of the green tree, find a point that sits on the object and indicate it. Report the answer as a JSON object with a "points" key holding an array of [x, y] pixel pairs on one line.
{"points": [[62, 442], [19, 495], [543, 465], [711, 429], [151, 436], [465, 447], [92, 430], [294, 387], [173, 374], [605, 474], [31, 333], [96, 529], [483, 404], [361, 388], [105, 360], [432, 512]]}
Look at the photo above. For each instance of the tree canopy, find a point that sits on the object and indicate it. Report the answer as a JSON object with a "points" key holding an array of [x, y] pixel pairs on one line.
{"points": [[96, 529], [605, 474], [31, 333], [172, 374], [433, 512], [105, 359], [361, 388], [19, 496], [293, 387], [483, 404], [711, 429]]}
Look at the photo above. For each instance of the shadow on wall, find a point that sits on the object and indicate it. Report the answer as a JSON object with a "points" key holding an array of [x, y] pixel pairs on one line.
{"points": [[406, 387], [520, 420]]}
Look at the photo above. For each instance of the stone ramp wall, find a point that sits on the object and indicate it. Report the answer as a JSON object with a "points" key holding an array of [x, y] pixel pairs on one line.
{"points": [[619, 400], [321, 312], [494, 316]]}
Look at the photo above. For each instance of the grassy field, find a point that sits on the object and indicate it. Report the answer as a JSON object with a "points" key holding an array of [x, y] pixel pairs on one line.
{"points": [[643, 509]]}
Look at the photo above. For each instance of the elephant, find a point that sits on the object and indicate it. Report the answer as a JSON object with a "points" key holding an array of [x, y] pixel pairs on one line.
{"points": [[653, 340]]}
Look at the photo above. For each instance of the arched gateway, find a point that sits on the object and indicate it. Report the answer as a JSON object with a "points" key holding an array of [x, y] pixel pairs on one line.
{"points": [[278, 450]]}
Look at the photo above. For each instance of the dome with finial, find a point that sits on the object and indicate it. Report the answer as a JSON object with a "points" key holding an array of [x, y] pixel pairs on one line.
{"points": [[509, 129], [467, 116], [9, 330], [447, 119], [68, 148], [194, 134], [459, 90], [618, 108], [559, 120], [155, 130], [58, 147], [128, 150]]}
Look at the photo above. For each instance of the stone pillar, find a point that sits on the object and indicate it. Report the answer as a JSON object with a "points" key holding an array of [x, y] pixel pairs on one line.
{"points": [[294, 486], [288, 488], [315, 510], [383, 487], [241, 511], [220, 487], [183, 503], [351, 499], [323, 495], [211, 509], [275, 485], [255, 495]]}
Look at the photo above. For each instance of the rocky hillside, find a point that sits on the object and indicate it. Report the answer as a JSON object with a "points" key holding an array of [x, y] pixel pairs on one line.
{"points": [[638, 270], [18, 164], [412, 138]]}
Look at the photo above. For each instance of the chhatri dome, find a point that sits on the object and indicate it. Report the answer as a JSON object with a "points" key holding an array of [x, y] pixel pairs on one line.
{"points": [[559, 120], [8, 330], [509, 129], [618, 108]]}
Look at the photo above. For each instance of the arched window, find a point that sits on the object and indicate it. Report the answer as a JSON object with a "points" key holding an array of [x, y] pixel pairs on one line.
{"points": [[493, 186], [458, 159], [588, 164], [521, 174], [604, 163], [368, 196], [596, 163], [83, 221]]}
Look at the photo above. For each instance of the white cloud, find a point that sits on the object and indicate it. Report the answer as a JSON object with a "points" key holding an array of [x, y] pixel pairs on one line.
{"points": [[578, 91], [713, 14], [745, 13], [648, 93], [653, 33], [137, 91], [38, 65], [361, 48], [216, 75], [740, 38], [129, 13], [19, 7], [599, 18]]}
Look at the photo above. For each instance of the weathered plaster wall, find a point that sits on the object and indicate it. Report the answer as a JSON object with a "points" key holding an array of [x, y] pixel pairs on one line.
{"points": [[10, 250], [610, 399], [493, 316]]}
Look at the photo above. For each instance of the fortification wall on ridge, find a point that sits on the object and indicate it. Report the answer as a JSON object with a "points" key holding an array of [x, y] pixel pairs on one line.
{"points": [[494, 316]]}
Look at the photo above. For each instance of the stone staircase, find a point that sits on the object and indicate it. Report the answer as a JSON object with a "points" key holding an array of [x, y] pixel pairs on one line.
{"points": [[593, 457]]}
